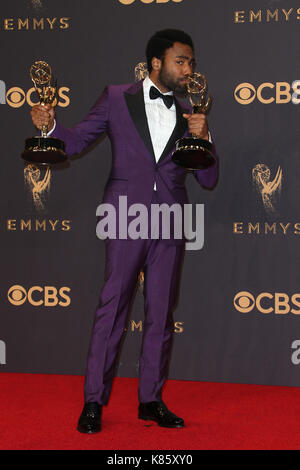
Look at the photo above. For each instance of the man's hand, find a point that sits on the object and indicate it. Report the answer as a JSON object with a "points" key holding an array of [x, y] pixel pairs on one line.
{"points": [[43, 116], [197, 125]]}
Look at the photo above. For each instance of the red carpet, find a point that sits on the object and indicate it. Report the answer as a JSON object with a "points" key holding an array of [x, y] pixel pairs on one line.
{"points": [[41, 412]]}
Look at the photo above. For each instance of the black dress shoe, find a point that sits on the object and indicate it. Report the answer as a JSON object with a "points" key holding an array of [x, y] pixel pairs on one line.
{"points": [[90, 419], [157, 411]]}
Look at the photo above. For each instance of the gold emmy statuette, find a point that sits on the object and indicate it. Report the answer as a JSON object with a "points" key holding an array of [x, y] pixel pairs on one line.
{"points": [[44, 150], [141, 71], [194, 153]]}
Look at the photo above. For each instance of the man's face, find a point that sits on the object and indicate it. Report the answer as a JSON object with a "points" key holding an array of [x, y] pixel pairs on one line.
{"points": [[177, 65]]}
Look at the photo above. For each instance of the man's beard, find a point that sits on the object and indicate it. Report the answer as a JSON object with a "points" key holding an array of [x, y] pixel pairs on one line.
{"points": [[167, 81]]}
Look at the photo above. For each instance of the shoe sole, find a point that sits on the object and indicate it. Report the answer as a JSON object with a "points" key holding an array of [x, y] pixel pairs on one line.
{"points": [[174, 426], [83, 431]]}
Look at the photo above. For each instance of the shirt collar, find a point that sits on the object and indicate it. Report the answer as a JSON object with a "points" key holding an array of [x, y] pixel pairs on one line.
{"points": [[147, 84]]}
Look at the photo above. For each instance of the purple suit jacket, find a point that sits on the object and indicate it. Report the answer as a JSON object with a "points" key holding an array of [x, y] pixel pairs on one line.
{"points": [[120, 112]]}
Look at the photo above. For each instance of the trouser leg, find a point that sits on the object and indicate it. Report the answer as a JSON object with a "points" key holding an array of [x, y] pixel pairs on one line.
{"points": [[124, 258], [161, 286]]}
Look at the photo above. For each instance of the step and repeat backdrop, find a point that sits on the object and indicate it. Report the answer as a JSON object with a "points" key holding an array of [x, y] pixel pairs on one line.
{"points": [[238, 315]]}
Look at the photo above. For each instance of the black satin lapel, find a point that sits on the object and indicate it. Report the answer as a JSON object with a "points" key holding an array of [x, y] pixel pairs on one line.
{"points": [[136, 107], [179, 130]]}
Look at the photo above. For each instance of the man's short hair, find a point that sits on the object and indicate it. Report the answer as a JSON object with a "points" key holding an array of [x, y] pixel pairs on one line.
{"points": [[163, 40]]}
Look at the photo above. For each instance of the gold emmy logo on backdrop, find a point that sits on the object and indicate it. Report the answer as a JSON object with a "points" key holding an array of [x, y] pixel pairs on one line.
{"points": [[36, 3], [266, 228], [37, 225], [35, 24], [267, 188], [141, 280], [38, 185], [138, 326], [266, 16], [141, 71]]}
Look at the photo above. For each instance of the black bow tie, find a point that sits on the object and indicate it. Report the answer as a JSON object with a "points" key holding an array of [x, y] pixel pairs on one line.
{"points": [[167, 99]]}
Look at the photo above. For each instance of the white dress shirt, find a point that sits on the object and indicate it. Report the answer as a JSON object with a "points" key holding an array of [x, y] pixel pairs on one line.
{"points": [[161, 120]]}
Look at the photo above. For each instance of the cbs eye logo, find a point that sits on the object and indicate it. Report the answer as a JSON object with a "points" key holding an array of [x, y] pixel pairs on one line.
{"points": [[244, 302], [279, 303], [15, 97], [47, 296], [267, 93], [17, 295], [245, 93]]}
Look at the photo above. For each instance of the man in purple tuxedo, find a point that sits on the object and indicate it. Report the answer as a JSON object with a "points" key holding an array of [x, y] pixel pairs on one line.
{"points": [[143, 121]]}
